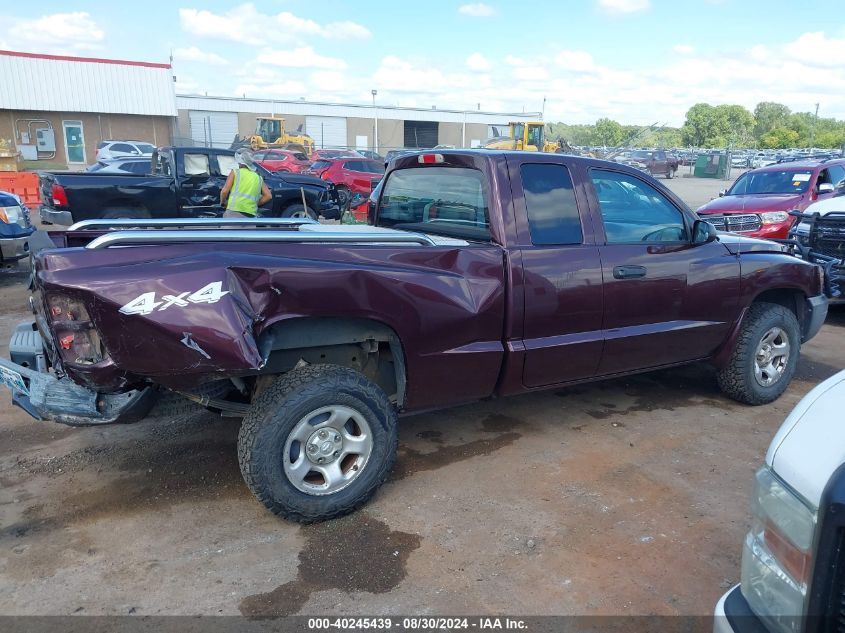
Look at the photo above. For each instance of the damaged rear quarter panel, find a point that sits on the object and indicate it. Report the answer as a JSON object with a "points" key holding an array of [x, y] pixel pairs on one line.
{"points": [[446, 304]]}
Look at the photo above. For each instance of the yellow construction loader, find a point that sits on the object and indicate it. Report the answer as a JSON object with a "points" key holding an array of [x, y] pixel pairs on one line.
{"points": [[271, 132], [527, 136]]}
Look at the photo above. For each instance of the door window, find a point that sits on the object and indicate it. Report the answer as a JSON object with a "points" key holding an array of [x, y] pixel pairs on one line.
{"points": [[633, 211], [550, 200], [196, 165], [836, 173], [123, 148], [226, 164]]}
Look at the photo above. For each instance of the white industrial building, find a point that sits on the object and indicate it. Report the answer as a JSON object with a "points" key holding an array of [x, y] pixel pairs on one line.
{"points": [[215, 121], [57, 109]]}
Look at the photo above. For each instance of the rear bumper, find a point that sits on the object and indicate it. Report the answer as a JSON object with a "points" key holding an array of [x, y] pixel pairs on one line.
{"points": [[733, 615], [64, 218], [14, 248], [46, 397]]}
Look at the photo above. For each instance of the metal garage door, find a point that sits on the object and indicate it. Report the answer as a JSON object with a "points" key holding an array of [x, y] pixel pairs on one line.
{"points": [[213, 129], [327, 131]]}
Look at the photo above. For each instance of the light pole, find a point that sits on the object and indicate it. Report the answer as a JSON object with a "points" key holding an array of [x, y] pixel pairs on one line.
{"points": [[375, 123], [813, 127]]}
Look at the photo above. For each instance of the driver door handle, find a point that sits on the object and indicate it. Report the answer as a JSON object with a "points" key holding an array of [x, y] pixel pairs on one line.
{"points": [[628, 272]]}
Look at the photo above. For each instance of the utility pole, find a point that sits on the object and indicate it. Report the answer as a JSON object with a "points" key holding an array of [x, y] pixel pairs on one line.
{"points": [[813, 127], [375, 123]]}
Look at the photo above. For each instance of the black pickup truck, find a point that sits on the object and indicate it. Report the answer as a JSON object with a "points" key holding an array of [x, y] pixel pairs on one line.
{"points": [[184, 182]]}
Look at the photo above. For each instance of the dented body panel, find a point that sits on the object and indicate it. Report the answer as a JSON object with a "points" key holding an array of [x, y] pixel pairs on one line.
{"points": [[445, 304]]}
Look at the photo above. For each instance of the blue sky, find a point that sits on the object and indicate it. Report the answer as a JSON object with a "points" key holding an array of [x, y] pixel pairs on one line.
{"points": [[637, 61]]}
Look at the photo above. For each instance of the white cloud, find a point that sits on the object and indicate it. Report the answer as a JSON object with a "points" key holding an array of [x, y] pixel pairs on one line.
{"points": [[247, 25], [478, 63], [303, 57], [510, 60], [477, 10], [575, 61], [624, 6], [759, 53], [281, 89], [531, 73], [683, 49], [816, 49], [193, 54], [59, 33]]}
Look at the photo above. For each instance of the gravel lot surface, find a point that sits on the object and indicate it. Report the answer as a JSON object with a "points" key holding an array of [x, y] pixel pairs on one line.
{"points": [[623, 497]]}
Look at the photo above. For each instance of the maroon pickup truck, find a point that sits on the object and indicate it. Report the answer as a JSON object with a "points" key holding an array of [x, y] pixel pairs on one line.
{"points": [[486, 274]]}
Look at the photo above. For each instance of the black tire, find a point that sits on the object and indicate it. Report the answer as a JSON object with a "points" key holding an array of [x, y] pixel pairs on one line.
{"points": [[344, 197], [737, 380], [670, 174], [297, 211], [277, 411], [125, 214]]}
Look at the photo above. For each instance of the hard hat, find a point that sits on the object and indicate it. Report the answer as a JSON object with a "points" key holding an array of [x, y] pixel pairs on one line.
{"points": [[244, 157]]}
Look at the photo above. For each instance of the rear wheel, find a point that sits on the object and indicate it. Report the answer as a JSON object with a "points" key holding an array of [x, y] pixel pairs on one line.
{"points": [[317, 443], [299, 211], [670, 174], [765, 357], [125, 214]]}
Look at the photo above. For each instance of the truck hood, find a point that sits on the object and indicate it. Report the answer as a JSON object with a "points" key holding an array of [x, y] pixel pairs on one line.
{"points": [[752, 204], [810, 445], [738, 244], [823, 207]]}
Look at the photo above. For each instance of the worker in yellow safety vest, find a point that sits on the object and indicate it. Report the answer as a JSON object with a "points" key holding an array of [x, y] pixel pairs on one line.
{"points": [[244, 190]]}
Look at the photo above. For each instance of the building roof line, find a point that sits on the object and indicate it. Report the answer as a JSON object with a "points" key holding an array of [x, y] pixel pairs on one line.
{"points": [[364, 106], [94, 60]]}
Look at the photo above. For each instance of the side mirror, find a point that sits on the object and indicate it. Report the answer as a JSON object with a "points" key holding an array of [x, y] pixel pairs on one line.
{"points": [[722, 192], [825, 187], [703, 232]]}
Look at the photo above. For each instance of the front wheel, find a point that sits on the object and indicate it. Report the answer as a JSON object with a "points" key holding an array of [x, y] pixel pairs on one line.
{"points": [[670, 174], [299, 211], [765, 357], [317, 443]]}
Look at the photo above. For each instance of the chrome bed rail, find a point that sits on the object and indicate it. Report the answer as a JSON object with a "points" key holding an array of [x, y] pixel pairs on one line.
{"points": [[128, 238], [173, 223]]}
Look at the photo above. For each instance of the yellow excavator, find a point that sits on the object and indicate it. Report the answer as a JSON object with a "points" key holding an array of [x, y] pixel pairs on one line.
{"points": [[528, 136], [270, 132]]}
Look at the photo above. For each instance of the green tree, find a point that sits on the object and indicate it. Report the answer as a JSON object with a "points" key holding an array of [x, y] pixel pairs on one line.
{"points": [[608, 133], [780, 138], [705, 126], [739, 123], [769, 115]]}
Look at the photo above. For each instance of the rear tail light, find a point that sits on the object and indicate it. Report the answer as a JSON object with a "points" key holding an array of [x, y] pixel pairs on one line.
{"points": [[59, 196], [79, 341]]}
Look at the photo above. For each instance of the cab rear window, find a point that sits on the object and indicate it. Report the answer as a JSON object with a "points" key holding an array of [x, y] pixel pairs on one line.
{"points": [[443, 200]]}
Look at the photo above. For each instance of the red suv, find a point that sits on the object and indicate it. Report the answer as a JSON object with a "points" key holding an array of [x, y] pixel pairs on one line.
{"points": [[351, 175], [759, 202], [282, 160]]}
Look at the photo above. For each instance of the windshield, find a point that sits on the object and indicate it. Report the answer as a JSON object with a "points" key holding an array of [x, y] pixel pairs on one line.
{"points": [[145, 148], [763, 182], [320, 164], [443, 200]]}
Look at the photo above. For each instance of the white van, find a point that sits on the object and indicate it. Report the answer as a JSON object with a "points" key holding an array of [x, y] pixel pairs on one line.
{"points": [[793, 558]]}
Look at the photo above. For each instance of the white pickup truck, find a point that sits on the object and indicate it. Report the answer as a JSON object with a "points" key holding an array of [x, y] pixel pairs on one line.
{"points": [[793, 558]]}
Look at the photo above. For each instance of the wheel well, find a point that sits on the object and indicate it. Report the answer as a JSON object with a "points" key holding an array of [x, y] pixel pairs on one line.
{"points": [[367, 346], [789, 298]]}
